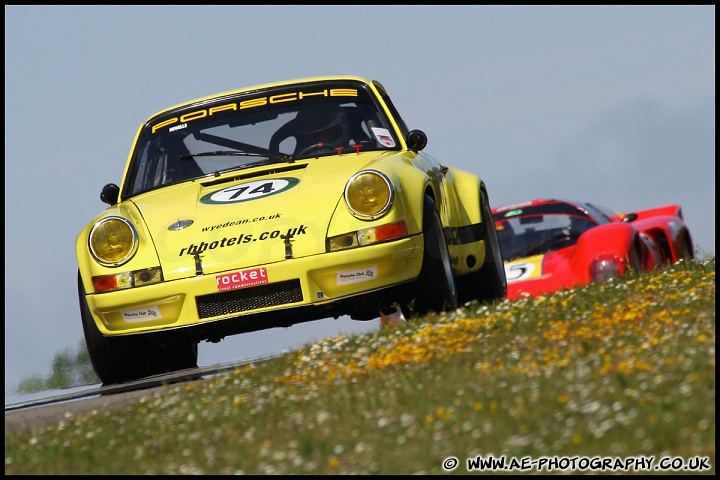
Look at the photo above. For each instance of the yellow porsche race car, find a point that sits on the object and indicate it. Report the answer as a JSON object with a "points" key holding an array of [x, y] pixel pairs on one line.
{"points": [[270, 206]]}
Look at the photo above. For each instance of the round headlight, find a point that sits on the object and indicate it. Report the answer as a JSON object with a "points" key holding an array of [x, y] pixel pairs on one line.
{"points": [[113, 241], [369, 194]]}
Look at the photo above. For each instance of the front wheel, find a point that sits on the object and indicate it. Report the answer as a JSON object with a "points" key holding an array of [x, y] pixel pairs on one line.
{"points": [[131, 357], [436, 290]]}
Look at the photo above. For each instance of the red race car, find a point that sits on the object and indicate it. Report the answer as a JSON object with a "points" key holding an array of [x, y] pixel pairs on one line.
{"points": [[550, 244]]}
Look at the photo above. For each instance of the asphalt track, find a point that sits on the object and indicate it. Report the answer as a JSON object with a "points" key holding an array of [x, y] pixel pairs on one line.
{"points": [[52, 410]]}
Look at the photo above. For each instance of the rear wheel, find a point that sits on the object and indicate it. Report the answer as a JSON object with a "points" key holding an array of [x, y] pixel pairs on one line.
{"points": [[687, 251], [436, 290], [121, 359], [489, 283]]}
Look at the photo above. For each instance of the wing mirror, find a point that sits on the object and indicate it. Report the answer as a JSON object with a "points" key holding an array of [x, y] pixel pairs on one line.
{"points": [[110, 194], [630, 217], [416, 140]]}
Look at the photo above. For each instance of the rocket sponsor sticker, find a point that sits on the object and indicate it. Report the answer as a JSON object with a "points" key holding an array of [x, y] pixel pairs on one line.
{"points": [[141, 314], [242, 279], [356, 276]]}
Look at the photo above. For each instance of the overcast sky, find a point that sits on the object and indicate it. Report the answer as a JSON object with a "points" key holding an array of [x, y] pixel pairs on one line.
{"points": [[608, 104]]}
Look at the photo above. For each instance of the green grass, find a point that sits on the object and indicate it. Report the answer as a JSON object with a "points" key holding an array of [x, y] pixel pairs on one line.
{"points": [[615, 370]]}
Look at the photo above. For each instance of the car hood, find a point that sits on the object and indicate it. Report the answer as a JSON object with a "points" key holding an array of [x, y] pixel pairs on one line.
{"points": [[246, 218]]}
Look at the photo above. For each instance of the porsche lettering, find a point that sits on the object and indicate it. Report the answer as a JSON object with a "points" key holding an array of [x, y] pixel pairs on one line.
{"points": [[253, 103]]}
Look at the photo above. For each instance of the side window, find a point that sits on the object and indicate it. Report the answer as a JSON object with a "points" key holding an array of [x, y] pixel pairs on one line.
{"points": [[391, 106], [401, 123], [146, 168]]}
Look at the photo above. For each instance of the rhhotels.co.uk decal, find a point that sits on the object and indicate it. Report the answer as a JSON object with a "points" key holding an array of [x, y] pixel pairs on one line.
{"points": [[249, 191], [224, 242]]}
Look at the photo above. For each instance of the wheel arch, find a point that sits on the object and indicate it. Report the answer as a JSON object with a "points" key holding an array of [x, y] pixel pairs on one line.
{"points": [[468, 188]]}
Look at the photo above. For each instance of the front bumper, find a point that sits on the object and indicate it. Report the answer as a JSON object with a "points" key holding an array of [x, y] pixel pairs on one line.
{"points": [[296, 290]]}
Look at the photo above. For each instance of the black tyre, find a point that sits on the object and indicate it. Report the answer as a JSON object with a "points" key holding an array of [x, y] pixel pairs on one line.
{"points": [[687, 251], [436, 290], [117, 360], [488, 284], [636, 262]]}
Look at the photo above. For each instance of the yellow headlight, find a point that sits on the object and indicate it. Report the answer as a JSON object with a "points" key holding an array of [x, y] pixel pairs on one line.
{"points": [[369, 194], [113, 241]]}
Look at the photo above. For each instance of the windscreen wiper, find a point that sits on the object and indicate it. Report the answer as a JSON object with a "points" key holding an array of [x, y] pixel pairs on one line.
{"points": [[268, 156]]}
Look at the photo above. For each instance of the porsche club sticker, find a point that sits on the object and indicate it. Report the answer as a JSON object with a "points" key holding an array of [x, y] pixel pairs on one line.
{"points": [[355, 276], [141, 314], [249, 191]]}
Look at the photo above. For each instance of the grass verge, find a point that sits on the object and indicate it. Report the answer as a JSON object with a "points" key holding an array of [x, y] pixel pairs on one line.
{"points": [[618, 372]]}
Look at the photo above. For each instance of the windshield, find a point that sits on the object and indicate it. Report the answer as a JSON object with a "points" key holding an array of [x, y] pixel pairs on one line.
{"points": [[538, 230], [238, 131]]}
